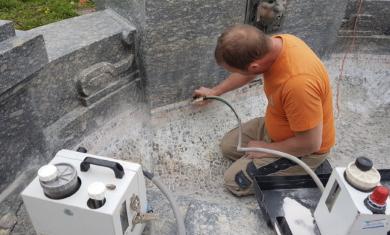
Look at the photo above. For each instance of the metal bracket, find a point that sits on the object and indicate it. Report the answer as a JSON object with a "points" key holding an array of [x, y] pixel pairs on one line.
{"points": [[139, 217], [135, 203]]}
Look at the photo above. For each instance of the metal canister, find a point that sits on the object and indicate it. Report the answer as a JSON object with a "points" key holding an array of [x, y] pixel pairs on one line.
{"points": [[362, 175], [59, 181]]}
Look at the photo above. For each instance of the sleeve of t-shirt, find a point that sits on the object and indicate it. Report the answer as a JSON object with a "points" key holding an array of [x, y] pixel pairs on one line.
{"points": [[302, 103]]}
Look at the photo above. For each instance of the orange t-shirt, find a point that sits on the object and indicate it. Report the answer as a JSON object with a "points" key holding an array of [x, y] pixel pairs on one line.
{"points": [[299, 94]]}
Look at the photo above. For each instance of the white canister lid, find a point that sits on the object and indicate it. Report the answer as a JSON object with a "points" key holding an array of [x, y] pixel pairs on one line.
{"points": [[47, 173], [363, 180], [97, 191]]}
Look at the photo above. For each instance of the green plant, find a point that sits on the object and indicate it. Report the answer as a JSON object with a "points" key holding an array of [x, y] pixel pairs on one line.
{"points": [[27, 14]]}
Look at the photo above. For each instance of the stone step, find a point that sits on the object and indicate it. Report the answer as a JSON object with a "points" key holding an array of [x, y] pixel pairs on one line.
{"points": [[7, 30], [373, 15], [374, 44], [361, 16], [358, 33], [365, 23], [367, 7]]}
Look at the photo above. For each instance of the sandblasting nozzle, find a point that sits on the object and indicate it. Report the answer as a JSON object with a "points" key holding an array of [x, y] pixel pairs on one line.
{"points": [[197, 99]]}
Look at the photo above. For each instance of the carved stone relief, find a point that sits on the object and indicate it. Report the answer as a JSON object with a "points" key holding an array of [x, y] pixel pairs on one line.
{"points": [[266, 15], [104, 78]]}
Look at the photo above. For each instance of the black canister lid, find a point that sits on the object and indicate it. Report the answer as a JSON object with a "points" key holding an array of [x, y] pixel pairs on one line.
{"points": [[363, 163]]}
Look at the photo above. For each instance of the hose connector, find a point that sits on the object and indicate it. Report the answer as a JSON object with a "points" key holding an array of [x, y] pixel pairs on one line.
{"points": [[148, 174]]}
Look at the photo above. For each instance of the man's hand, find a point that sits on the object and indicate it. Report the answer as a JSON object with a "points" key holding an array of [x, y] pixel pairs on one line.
{"points": [[256, 144], [235, 80], [202, 92]]}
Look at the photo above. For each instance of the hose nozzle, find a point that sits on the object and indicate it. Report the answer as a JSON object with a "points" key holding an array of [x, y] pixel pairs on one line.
{"points": [[197, 99]]}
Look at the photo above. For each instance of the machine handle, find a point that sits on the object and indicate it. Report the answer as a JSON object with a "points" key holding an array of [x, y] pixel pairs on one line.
{"points": [[116, 167]]}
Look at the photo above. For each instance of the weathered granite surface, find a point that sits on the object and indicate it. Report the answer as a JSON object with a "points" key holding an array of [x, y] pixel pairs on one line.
{"points": [[178, 46], [134, 11], [265, 15], [6, 30], [316, 22], [67, 131], [13, 216], [67, 36], [54, 107], [21, 139], [372, 32], [374, 15], [177, 40], [20, 57], [207, 214], [103, 78]]}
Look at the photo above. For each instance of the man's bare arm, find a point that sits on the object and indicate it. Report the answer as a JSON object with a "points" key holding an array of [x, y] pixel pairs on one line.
{"points": [[303, 143], [234, 81]]}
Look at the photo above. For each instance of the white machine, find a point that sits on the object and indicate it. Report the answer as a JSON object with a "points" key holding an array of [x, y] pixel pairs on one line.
{"points": [[83, 194], [353, 202]]}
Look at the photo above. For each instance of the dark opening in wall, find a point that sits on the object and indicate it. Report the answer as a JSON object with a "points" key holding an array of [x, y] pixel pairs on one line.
{"points": [[267, 15]]}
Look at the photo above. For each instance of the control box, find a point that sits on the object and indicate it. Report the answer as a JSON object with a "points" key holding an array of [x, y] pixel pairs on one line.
{"points": [[342, 209], [107, 198]]}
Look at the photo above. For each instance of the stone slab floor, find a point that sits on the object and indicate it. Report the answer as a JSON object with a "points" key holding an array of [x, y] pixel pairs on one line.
{"points": [[180, 144]]}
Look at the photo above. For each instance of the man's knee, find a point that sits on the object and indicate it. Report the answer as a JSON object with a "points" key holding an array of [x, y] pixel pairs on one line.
{"points": [[238, 182]]}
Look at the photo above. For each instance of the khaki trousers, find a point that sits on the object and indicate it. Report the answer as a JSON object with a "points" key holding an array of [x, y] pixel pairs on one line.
{"points": [[239, 176]]}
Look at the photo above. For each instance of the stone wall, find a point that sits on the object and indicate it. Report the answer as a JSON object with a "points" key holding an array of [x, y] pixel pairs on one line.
{"points": [[61, 82], [177, 38], [20, 60], [178, 46], [315, 21]]}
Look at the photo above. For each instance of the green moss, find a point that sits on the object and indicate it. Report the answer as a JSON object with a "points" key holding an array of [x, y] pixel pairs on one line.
{"points": [[27, 14]]}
